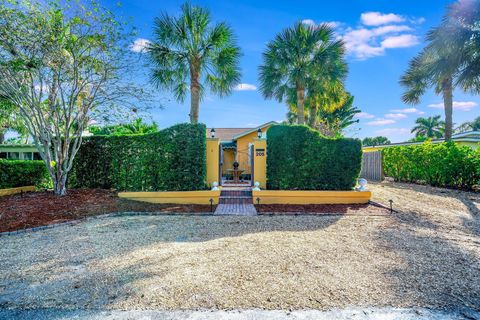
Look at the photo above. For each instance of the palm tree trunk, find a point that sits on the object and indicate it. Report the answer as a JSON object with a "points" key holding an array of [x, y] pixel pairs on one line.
{"points": [[312, 118], [448, 105], [194, 92], [300, 104]]}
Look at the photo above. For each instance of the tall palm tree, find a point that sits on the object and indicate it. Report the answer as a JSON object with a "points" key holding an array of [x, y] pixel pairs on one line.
{"points": [[431, 127], [450, 60], [297, 58], [189, 53]]}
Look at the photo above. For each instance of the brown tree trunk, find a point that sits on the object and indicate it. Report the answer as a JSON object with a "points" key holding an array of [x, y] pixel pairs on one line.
{"points": [[300, 104], [60, 186], [2, 136], [448, 105], [312, 118], [194, 91]]}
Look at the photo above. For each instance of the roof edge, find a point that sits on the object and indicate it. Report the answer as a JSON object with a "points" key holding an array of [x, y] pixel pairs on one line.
{"points": [[254, 129]]}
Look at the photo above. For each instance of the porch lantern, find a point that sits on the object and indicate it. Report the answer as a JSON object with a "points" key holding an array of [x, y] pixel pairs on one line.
{"points": [[212, 133], [259, 133]]}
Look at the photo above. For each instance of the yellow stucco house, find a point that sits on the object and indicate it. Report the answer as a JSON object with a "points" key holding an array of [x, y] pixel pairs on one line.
{"points": [[237, 144]]}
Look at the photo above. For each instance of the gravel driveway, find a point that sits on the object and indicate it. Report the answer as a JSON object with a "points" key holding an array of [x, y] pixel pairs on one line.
{"points": [[427, 255]]}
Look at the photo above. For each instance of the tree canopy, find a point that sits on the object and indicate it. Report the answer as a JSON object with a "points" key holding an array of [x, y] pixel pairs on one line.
{"points": [[300, 60], [190, 54], [375, 141], [450, 60], [59, 63], [431, 127], [138, 126]]}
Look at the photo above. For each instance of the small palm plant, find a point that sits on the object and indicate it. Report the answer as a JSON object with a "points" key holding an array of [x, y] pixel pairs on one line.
{"points": [[189, 53], [431, 127], [296, 59]]}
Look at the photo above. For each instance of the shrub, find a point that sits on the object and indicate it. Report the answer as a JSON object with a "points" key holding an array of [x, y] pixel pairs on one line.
{"points": [[442, 164], [172, 159], [21, 173], [300, 158]]}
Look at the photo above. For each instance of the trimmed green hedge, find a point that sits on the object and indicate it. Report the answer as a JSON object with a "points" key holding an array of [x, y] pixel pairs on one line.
{"points": [[440, 164], [21, 173], [300, 158], [173, 159]]}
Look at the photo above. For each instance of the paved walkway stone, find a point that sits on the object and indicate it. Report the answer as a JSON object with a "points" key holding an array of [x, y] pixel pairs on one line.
{"points": [[236, 201]]}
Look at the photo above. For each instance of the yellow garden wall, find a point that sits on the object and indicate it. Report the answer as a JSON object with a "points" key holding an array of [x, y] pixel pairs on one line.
{"points": [[177, 197], [10, 191], [473, 145], [213, 160], [311, 197], [260, 162]]}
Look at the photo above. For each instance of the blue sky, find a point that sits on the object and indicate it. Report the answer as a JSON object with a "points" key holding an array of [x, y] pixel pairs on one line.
{"points": [[381, 37]]}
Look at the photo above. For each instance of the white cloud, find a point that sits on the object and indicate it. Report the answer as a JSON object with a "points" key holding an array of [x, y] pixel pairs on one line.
{"points": [[419, 20], [458, 105], [378, 18], [364, 115], [379, 33], [365, 43], [391, 29], [312, 23], [309, 22], [380, 122], [396, 116], [395, 134], [408, 110], [402, 41], [245, 87], [139, 45]]}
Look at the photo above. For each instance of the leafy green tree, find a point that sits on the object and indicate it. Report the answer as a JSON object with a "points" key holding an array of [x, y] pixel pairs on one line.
{"points": [[431, 127], [189, 53], [450, 60], [375, 141], [419, 138], [135, 127], [333, 123], [297, 60], [59, 63]]}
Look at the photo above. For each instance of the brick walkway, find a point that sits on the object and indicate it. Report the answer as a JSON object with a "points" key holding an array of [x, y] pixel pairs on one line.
{"points": [[236, 201]]}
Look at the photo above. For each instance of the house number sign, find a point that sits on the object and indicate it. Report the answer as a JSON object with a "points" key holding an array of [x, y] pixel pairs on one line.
{"points": [[260, 152]]}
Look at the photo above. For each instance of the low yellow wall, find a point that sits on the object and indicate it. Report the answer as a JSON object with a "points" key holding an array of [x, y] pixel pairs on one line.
{"points": [[10, 191], [177, 197], [311, 197]]}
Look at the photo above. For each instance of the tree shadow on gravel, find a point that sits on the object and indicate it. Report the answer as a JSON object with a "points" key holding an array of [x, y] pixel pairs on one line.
{"points": [[469, 200], [434, 269], [59, 267]]}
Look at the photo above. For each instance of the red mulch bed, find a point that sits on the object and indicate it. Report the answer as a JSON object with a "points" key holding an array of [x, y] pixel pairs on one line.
{"points": [[348, 209], [35, 209]]}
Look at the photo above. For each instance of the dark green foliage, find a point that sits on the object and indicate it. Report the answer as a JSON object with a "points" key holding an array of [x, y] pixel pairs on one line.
{"points": [[300, 158], [138, 126], [173, 159], [375, 141], [21, 173], [440, 164]]}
